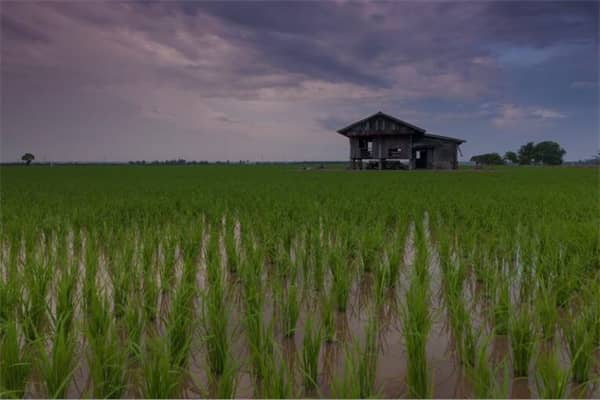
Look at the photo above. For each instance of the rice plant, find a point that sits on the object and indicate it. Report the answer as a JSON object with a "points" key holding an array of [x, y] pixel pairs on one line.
{"points": [[107, 363], [215, 313], [416, 326], [580, 341], [311, 348], [501, 307], [546, 310], [15, 362], [551, 380], [180, 326], [57, 365], [522, 340], [290, 310], [483, 375], [349, 385], [160, 379], [233, 257], [280, 382], [224, 386], [328, 318], [341, 278], [367, 360]]}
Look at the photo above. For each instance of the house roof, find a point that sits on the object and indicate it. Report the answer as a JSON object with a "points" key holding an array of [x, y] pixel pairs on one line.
{"points": [[380, 114], [448, 138], [421, 131]]}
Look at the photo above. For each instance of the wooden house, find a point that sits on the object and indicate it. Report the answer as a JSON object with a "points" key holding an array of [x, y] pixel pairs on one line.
{"points": [[388, 142]]}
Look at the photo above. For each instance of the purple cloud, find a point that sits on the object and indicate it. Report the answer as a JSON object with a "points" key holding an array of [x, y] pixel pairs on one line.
{"points": [[270, 80]]}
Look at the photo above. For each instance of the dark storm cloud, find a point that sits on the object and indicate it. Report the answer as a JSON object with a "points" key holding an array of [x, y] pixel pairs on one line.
{"points": [[278, 77], [11, 29]]}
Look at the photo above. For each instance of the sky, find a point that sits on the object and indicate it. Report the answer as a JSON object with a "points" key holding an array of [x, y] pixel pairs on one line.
{"points": [[118, 81]]}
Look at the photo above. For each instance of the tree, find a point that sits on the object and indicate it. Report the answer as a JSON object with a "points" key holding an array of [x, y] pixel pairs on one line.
{"points": [[488, 159], [527, 154], [549, 153], [28, 158], [512, 157]]}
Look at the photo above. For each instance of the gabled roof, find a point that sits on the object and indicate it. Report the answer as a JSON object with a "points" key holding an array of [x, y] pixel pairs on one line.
{"points": [[380, 114]]}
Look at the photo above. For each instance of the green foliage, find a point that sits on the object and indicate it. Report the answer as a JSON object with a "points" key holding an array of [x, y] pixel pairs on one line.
{"points": [[15, 362], [311, 348], [551, 380], [160, 379], [57, 367], [416, 326], [488, 159], [522, 340]]}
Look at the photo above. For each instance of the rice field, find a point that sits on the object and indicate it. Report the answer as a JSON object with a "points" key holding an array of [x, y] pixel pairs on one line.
{"points": [[273, 282]]}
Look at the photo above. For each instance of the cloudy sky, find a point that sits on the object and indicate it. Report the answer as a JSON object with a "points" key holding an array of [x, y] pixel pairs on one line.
{"points": [[265, 80]]}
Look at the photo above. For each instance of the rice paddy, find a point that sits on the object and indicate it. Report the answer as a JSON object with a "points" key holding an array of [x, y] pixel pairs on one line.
{"points": [[271, 281]]}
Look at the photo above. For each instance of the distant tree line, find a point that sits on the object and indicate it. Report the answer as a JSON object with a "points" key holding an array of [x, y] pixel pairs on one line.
{"points": [[546, 153]]}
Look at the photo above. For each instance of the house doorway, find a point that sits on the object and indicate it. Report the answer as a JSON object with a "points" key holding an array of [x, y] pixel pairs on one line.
{"points": [[420, 159]]}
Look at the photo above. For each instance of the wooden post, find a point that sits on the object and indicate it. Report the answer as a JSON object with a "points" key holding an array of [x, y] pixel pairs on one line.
{"points": [[380, 164]]}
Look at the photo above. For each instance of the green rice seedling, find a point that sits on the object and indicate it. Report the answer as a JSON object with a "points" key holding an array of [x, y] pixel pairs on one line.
{"points": [[9, 299], [348, 386], [225, 385], [179, 325], [460, 320], [551, 380], [501, 308], [160, 379], [120, 276], [371, 249], [395, 253], [65, 298], [57, 367], [98, 316], [215, 318], [318, 270], [482, 373], [580, 342], [107, 363], [416, 326], [328, 318], [311, 348], [382, 277], [341, 279], [167, 267], [258, 333], [15, 362], [135, 323], [233, 257], [34, 306], [278, 383], [367, 363], [592, 312], [290, 310], [151, 291], [522, 340], [360, 368], [545, 305]]}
